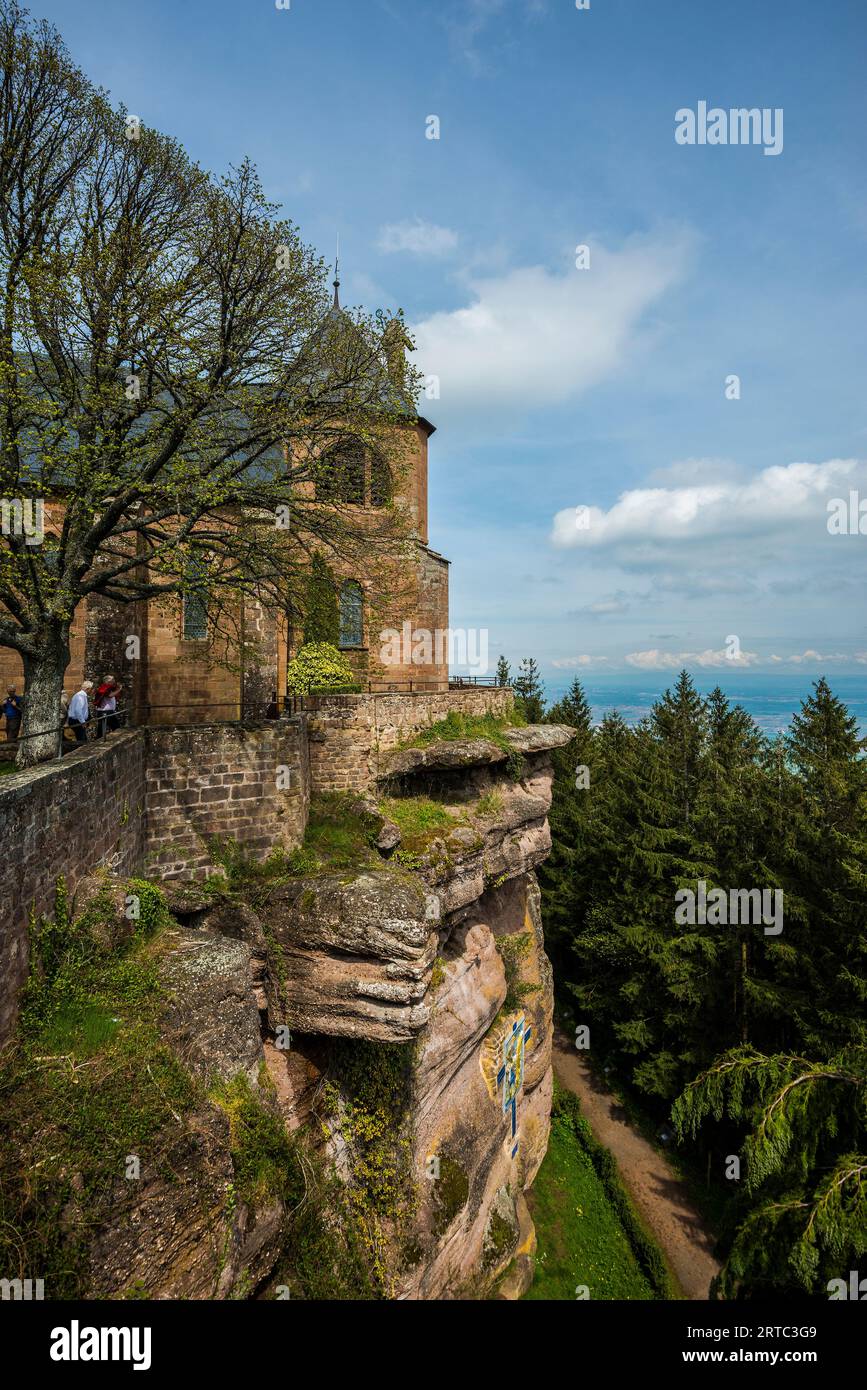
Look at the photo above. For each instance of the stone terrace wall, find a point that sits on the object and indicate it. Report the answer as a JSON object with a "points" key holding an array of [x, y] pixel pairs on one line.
{"points": [[68, 819], [349, 732], [224, 780]]}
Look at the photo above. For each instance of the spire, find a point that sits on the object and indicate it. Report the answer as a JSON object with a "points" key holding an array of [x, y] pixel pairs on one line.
{"points": [[336, 304]]}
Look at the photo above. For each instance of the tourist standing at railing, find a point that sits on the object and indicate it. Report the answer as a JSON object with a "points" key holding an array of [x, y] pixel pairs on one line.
{"points": [[106, 706], [79, 711], [12, 708]]}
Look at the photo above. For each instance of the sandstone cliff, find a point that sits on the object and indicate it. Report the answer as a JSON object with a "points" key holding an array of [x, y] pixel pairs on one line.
{"points": [[363, 1038]]}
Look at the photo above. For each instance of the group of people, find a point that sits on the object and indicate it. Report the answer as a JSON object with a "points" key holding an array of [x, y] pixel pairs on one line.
{"points": [[76, 713]]}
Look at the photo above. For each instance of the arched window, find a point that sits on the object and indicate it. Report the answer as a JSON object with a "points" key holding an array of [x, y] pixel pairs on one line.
{"points": [[194, 600], [380, 481], [351, 614], [340, 474]]}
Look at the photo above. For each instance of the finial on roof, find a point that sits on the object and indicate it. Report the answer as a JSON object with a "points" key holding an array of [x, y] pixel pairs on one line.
{"points": [[336, 275]]}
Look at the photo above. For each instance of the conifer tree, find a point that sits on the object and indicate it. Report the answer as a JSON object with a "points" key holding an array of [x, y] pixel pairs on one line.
{"points": [[803, 1219], [504, 672], [828, 868], [570, 809], [529, 691]]}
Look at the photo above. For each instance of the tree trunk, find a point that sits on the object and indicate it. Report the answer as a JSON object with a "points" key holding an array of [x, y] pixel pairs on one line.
{"points": [[43, 686]]}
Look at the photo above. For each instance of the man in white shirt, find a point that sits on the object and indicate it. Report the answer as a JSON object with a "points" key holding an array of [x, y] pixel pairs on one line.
{"points": [[79, 712]]}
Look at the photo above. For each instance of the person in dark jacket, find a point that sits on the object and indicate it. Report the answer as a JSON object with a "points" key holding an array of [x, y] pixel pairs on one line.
{"points": [[13, 707]]}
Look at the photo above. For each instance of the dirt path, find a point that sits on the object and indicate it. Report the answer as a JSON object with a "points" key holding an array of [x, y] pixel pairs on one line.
{"points": [[655, 1188]]}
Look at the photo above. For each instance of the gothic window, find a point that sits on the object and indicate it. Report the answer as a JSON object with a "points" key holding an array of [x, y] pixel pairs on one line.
{"points": [[351, 614], [194, 601], [340, 474]]}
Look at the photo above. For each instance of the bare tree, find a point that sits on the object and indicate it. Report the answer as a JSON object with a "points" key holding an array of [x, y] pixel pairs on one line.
{"points": [[171, 375]]}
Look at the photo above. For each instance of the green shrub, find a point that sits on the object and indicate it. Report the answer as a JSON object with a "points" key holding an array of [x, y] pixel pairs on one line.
{"points": [[264, 1155], [319, 666], [512, 950]]}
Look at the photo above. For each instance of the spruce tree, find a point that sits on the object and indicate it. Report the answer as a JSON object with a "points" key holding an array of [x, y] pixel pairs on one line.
{"points": [[504, 672], [573, 709], [801, 1210], [561, 872], [529, 691], [827, 863]]}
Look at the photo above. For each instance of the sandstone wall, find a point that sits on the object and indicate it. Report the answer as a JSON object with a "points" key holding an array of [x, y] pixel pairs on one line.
{"points": [[249, 783], [67, 819], [349, 733]]}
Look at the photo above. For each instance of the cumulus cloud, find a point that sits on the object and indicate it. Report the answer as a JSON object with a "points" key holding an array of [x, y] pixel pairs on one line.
{"points": [[772, 501], [568, 663], [531, 338], [604, 606], [814, 658], [418, 237], [656, 660]]}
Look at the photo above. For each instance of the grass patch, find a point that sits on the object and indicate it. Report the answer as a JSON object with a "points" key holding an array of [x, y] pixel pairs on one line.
{"points": [[324, 1255], [369, 1101], [587, 1229], [458, 726], [489, 805], [87, 1082], [419, 820], [339, 835], [581, 1240]]}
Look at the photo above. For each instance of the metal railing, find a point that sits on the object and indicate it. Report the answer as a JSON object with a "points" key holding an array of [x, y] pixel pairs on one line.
{"points": [[102, 722]]}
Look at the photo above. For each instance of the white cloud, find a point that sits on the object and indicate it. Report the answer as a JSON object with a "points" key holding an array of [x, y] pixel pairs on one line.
{"points": [[418, 237], [568, 663], [774, 500], [608, 605], [656, 660], [812, 658], [531, 338]]}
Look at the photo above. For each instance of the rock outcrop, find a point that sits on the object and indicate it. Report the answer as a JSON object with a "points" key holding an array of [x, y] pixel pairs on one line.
{"points": [[496, 985], [358, 953], [393, 1016], [449, 755]]}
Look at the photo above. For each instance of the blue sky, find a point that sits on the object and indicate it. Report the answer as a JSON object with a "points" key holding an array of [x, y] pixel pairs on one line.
{"points": [[562, 388]]}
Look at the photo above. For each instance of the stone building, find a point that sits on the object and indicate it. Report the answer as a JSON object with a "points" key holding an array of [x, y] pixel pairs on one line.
{"points": [[182, 670]]}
